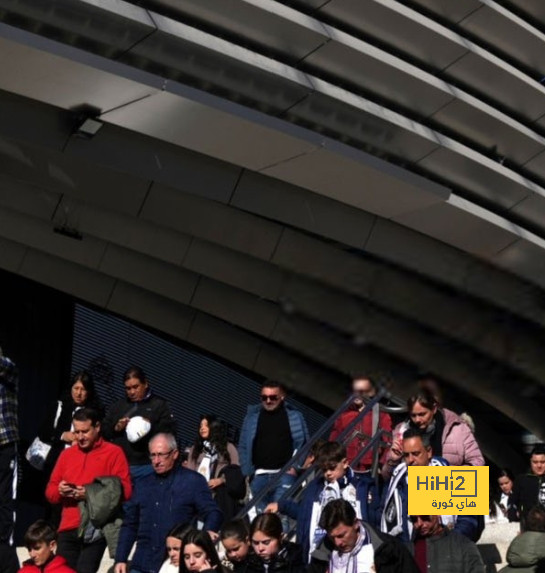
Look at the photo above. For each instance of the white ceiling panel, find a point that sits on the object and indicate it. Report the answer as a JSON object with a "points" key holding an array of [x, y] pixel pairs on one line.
{"points": [[452, 11], [40, 235], [26, 198], [58, 174], [67, 277], [517, 39], [112, 23], [146, 272], [23, 119], [482, 177], [461, 224], [216, 64], [487, 282], [531, 210], [224, 340], [487, 127], [211, 221], [374, 71], [358, 120], [11, 255], [534, 8], [323, 262], [500, 82], [234, 268], [234, 306], [124, 231], [279, 28], [200, 127], [386, 192], [323, 346], [326, 305], [394, 24], [155, 160], [291, 205], [54, 73], [277, 364], [150, 309], [526, 259], [416, 251], [536, 165]]}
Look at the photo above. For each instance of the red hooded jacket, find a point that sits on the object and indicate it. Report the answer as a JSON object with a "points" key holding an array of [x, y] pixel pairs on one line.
{"points": [[81, 468], [364, 426]]}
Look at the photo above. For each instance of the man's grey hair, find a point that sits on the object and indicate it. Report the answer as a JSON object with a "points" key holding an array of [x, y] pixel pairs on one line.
{"points": [[170, 439]]}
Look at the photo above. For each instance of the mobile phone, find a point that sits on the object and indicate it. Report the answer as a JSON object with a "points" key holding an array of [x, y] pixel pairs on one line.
{"points": [[72, 485]]}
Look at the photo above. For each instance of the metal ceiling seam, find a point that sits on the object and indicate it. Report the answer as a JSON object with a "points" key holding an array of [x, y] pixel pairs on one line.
{"points": [[284, 12], [317, 85], [384, 57], [469, 47], [509, 17]]}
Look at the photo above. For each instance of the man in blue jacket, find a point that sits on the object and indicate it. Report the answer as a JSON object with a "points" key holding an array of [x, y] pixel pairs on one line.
{"points": [[271, 433], [336, 482], [171, 496]]}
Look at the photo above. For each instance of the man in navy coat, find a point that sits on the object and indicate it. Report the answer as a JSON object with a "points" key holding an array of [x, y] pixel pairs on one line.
{"points": [[172, 495]]}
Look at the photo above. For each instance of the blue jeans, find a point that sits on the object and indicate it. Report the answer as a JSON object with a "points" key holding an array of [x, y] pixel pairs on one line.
{"points": [[262, 481]]}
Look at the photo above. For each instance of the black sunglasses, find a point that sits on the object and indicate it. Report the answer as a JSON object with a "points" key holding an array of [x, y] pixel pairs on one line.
{"points": [[270, 398]]}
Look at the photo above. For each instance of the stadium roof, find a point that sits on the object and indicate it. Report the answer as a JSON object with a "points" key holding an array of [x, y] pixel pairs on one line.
{"points": [[307, 189]]}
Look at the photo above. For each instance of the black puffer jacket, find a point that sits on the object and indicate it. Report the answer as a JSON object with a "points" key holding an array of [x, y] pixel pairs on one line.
{"points": [[525, 495], [288, 560], [154, 409]]}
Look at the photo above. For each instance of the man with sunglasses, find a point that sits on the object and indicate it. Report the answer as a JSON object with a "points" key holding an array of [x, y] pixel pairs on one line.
{"points": [[271, 434], [171, 495], [437, 549]]}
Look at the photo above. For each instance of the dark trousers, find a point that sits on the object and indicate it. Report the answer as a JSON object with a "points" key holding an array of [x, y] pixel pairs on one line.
{"points": [[8, 461], [82, 557]]}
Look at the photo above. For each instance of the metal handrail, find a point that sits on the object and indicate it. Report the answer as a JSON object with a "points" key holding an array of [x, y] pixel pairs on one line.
{"points": [[304, 451], [372, 442]]}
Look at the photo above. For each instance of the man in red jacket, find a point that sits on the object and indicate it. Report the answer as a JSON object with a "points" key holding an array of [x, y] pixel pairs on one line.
{"points": [[77, 467], [364, 390]]}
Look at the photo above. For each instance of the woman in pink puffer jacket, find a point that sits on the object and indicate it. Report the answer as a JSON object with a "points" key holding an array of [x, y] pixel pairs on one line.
{"points": [[451, 438]]}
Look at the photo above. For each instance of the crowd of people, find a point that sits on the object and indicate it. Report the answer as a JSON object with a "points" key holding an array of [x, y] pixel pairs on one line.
{"points": [[118, 480]]}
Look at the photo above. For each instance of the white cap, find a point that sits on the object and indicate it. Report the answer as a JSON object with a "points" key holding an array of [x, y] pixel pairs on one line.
{"points": [[137, 428]]}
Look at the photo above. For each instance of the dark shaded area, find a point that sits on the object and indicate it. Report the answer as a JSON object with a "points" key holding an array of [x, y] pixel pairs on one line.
{"points": [[35, 332]]}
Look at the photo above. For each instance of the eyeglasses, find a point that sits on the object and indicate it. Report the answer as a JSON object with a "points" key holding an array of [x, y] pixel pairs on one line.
{"points": [[160, 455], [270, 398]]}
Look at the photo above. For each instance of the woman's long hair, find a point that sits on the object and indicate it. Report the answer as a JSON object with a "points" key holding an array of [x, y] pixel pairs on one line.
{"points": [[217, 437], [269, 524], [425, 398], [203, 540], [86, 378], [178, 531]]}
